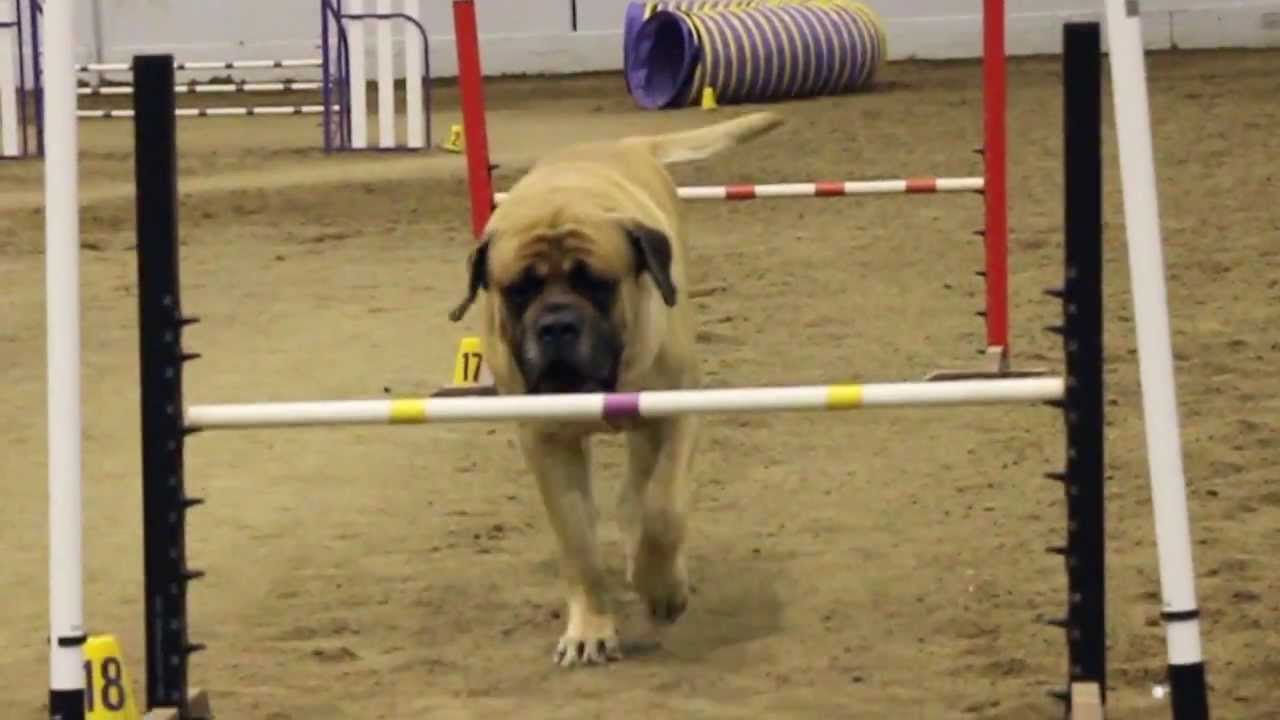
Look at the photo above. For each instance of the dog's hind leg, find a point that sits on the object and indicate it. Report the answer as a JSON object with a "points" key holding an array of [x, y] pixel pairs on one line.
{"points": [[562, 467], [654, 512]]}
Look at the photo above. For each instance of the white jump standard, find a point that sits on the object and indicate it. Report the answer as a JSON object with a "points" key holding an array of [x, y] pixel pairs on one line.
{"points": [[1180, 611], [67, 633]]}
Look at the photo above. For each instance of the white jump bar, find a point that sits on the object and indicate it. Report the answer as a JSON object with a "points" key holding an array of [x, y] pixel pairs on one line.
{"points": [[616, 406], [206, 88]]}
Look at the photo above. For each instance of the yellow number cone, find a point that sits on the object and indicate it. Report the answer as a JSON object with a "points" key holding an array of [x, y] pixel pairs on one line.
{"points": [[468, 367], [108, 689], [455, 141]]}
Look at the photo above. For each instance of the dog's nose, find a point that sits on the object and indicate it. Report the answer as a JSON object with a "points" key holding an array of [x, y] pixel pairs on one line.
{"points": [[560, 325]]}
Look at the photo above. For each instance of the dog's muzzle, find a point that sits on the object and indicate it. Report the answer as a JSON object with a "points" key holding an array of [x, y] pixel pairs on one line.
{"points": [[569, 351], [559, 329]]}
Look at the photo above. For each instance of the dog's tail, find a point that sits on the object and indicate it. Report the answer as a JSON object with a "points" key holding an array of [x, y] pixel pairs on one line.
{"points": [[703, 142]]}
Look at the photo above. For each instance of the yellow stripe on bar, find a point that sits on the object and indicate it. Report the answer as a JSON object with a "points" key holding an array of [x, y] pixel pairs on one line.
{"points": [[408, 411], [843, 397]]}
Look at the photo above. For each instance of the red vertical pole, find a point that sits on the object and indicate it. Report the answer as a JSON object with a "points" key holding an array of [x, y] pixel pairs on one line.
{"points": [[995, 161], [476, 137]]}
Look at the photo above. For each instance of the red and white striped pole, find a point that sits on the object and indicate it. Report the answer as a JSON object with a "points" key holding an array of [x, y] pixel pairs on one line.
{"points": [[831, 188], [823, 188]]}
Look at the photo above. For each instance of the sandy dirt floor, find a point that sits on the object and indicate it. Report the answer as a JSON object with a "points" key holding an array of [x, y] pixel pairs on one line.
{"points": [[870, 565]]}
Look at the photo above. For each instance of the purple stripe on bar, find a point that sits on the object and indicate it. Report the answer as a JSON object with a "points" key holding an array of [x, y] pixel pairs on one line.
{"points": [[621, 405]]}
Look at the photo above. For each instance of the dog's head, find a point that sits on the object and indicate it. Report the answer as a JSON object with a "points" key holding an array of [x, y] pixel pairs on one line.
{"points": [[564, 296]]}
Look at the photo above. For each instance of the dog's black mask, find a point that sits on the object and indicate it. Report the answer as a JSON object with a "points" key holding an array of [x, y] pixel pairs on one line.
{"points": [[561, 334]]}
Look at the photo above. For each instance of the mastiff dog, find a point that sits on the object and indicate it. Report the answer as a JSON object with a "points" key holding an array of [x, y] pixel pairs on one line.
{"points": [[584, 279]]}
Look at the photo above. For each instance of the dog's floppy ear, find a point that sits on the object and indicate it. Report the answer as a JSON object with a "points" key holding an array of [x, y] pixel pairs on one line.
{"points": [[653, 255], [478, 272]]}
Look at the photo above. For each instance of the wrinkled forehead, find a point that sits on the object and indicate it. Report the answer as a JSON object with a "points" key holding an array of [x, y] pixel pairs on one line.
{"points": [[553, 252]]}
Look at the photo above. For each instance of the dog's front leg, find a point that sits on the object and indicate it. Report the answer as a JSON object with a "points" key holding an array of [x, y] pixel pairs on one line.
{"points": [[654, 510], [562, 467]]}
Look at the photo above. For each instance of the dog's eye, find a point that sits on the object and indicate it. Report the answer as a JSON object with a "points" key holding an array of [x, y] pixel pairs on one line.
{"points": [[523, 291], [598, 290]]}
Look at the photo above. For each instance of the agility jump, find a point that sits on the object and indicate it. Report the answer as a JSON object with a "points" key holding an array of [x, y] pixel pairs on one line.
{"points": [[342, 87], [167, 420], [647, 22]]}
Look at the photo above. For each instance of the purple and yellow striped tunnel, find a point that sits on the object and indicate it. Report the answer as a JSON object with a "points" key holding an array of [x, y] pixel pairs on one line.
{"points": [[748, 50]]}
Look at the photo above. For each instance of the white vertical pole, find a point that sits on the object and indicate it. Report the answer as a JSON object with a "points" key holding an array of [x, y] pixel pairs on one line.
{"points": [[9, 146], [359, 78], [1151, 320], [416, 126], [386, 80], [8, 81], [99, 46], [62, 308]]}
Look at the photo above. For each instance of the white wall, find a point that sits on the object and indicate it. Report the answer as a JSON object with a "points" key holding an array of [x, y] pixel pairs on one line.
{"points": [[922, 28], [537, 36]]}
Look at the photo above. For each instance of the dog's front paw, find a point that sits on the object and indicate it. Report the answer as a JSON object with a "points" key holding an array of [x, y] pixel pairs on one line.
{"points": [[591, 637], [663, 584], [576, 649], [667, 602]]}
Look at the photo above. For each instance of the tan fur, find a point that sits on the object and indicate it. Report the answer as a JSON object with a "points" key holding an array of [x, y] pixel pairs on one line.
{"points": [[577, 203]]}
